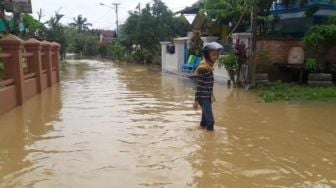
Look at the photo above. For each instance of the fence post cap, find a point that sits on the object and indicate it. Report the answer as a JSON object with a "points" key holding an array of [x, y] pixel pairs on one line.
{"points": [[46, 43], [33, 42], [55, 45], [11, 39]]}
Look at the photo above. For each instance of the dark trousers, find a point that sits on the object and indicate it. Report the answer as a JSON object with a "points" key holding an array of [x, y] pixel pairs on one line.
{"points": [[207, 114]]}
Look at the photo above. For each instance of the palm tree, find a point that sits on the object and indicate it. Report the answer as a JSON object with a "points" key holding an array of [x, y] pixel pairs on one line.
{"points": [[80, 23], [54, 21]]}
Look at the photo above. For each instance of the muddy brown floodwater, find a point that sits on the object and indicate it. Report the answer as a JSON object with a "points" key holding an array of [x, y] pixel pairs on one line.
{"points": [[110, 125]]}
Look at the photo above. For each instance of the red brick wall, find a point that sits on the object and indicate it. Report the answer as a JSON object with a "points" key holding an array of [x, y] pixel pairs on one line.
{"points": [[277, 50], [331, 57]]}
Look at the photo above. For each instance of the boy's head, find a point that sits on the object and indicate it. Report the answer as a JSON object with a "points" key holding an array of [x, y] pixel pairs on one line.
{"points": [[211, 51]]}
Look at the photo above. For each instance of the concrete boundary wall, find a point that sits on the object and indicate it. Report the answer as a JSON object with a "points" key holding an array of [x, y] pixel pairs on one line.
{"points": [[18, 86]]}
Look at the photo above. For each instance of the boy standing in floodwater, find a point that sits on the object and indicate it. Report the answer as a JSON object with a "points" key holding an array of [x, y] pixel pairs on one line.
{"points": [[204, 96]]}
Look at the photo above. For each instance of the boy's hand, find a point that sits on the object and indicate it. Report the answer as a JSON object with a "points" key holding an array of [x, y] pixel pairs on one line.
{"points": [[213, 99], [195, 105]]}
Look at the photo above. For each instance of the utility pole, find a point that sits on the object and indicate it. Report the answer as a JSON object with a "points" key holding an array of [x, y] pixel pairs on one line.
{"points": [[252, 61], [117, 19], [40, 15], [139, 8]]}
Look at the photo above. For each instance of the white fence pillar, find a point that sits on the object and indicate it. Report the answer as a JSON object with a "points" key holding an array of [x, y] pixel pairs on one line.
{"points": [[164, 56], [180, 52]]}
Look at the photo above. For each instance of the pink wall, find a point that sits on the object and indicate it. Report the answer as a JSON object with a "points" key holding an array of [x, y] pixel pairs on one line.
{"points": [[41, 57], [30, 88], [44, 81], [54, 77], [7, 98]]}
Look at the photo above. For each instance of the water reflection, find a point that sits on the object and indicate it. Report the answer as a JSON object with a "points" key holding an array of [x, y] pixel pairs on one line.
{"points": [[24, 126], [123, 125]]}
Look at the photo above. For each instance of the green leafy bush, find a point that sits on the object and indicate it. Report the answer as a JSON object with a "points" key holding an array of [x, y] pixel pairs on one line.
{"points": [[230, 63], [320, 40], [116, 51], [321, 35], [311, 65], [113, 51], [196, 44], [234, 62]]}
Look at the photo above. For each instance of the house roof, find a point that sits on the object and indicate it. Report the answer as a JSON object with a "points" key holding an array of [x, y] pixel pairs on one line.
{"points": [[193, 9], [108, 33], [199, 21], [23, 5]]}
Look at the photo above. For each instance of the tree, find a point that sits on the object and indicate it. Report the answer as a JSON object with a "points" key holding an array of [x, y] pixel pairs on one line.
{"points": [[33, 26], [196, 44], [85, 43], [55, 31], [80, 23], [40, 15], [230, 12], [130, 31], [236, 11], [74, 40], [145, 30], [55, 21], [320, 41]]}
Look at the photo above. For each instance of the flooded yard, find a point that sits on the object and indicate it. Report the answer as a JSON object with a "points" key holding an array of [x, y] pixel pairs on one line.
{"points": [[113, 125]]}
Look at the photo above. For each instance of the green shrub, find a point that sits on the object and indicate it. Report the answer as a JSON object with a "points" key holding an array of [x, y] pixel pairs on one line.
{"points": [[321, 35], [136, 57], [230, 63], [320, 39], [113, 51], [311, 65], [196, 44], [116, 51]]}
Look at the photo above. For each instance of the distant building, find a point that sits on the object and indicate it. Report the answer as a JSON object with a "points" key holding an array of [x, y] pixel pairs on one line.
{"points": [[107, 36], [203, 23], [8, 23], [293, 21], [20, 5], [293, 10]]}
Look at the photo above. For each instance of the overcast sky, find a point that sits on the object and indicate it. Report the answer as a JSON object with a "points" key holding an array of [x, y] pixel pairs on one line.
{"points": [[101, 17]]}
